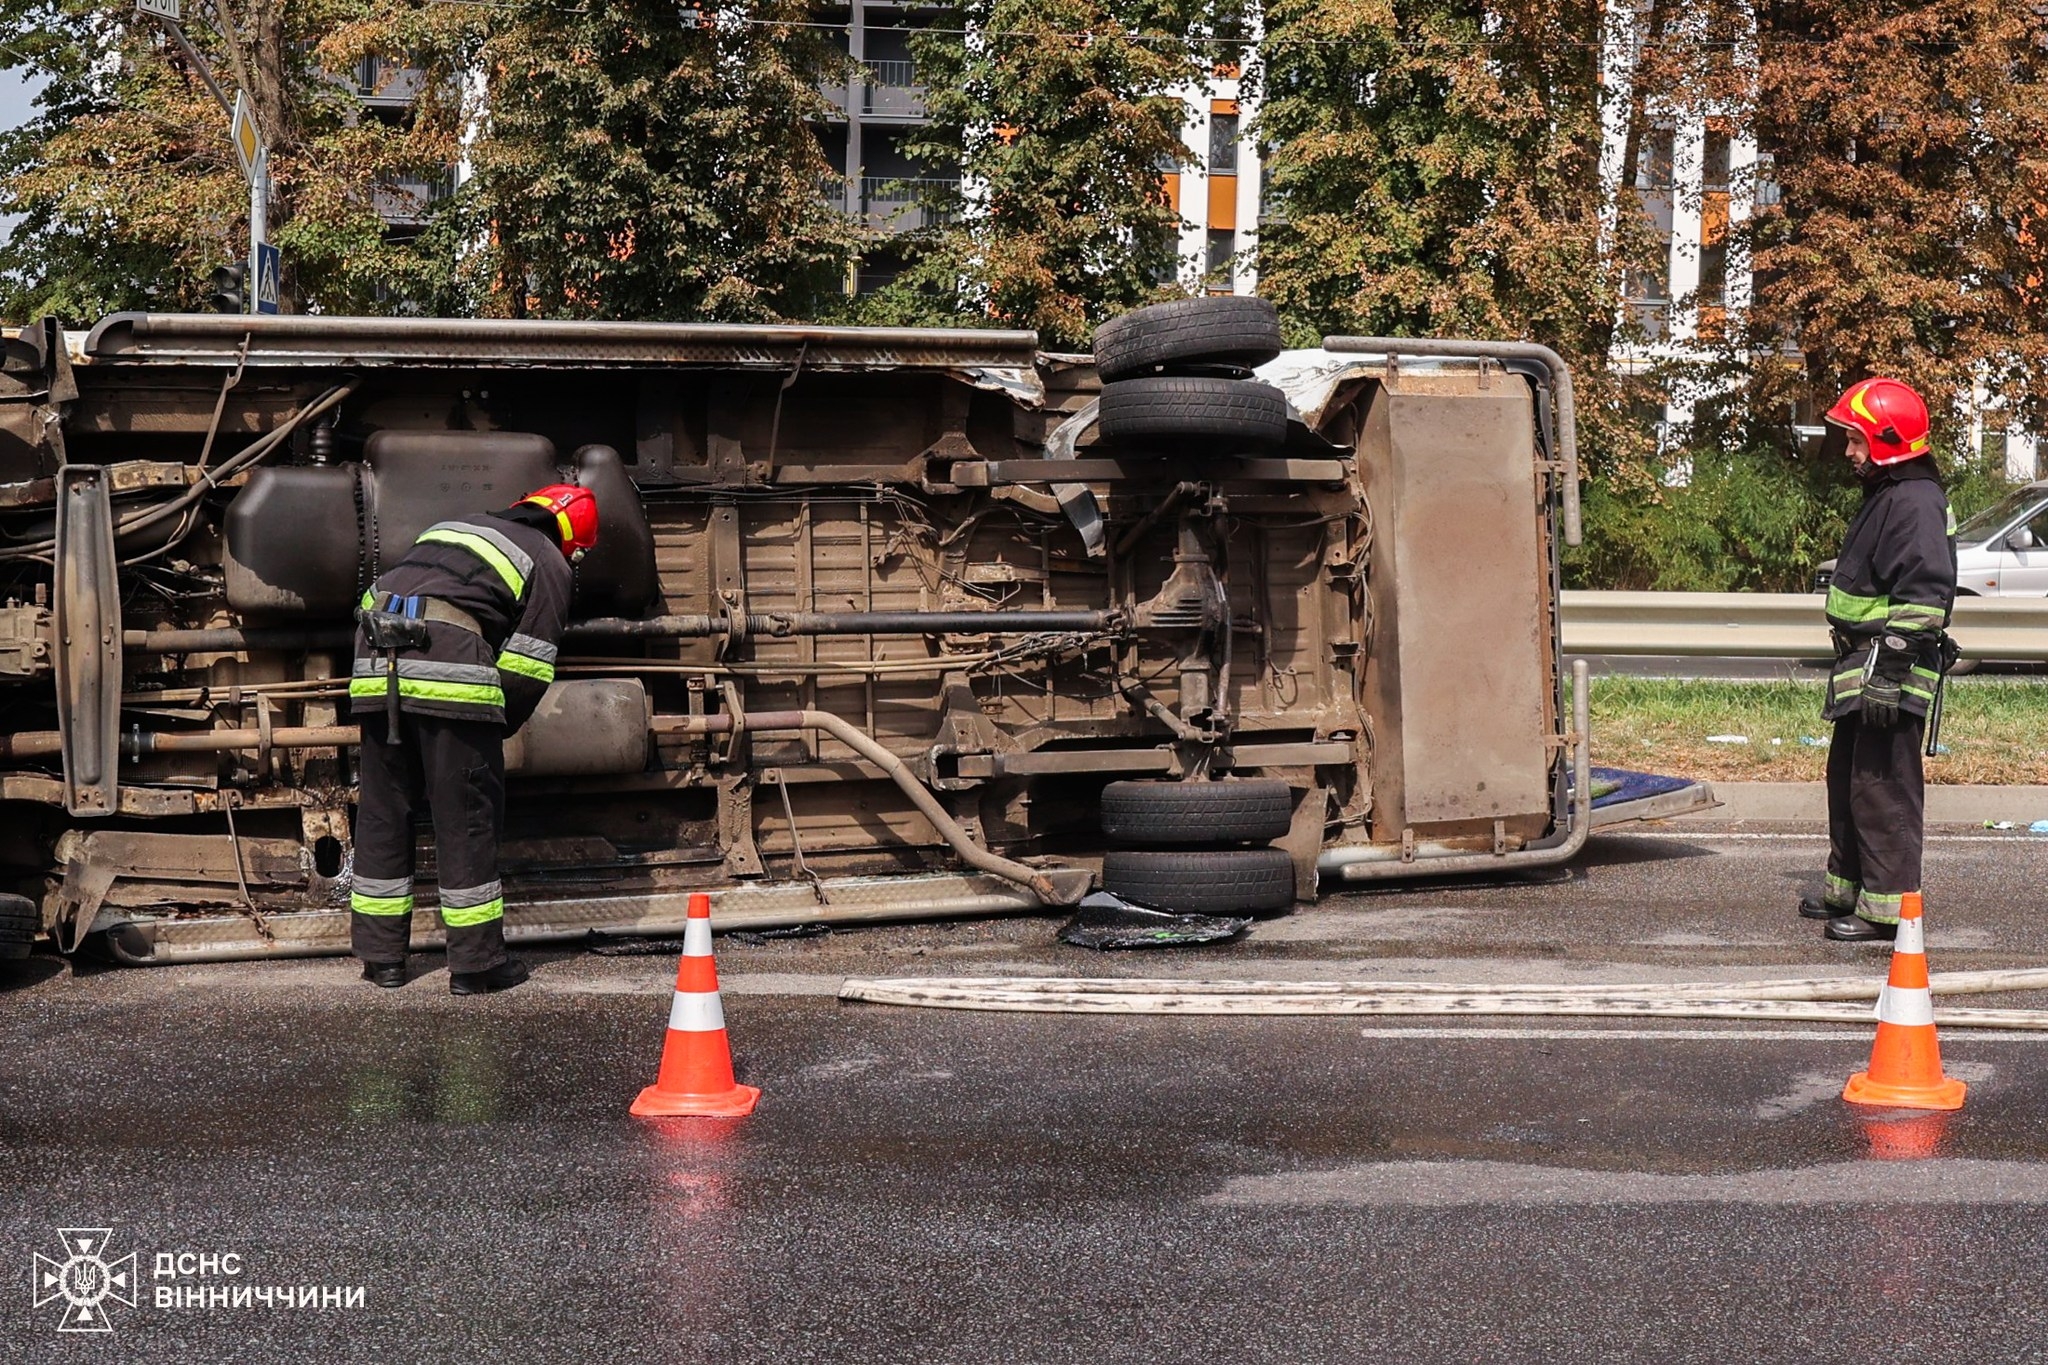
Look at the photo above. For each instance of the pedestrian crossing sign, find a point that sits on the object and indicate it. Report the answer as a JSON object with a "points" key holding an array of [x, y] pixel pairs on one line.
{"points": [[269, 265]]}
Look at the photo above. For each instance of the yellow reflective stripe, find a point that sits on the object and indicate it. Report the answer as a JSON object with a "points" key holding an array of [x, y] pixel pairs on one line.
{"points": [[369, 602], [379, 905], [530, 667], [1913, 691], [420, 689], [1914, 616], [1847, 606], [468, 916], [482, 549]]}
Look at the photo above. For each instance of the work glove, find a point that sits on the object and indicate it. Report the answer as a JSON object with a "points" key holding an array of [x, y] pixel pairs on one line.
{"points": [[1891, 662]]}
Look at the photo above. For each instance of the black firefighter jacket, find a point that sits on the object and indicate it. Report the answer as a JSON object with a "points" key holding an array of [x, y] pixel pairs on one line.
{"points": [[513, 581], [1896, 576]]}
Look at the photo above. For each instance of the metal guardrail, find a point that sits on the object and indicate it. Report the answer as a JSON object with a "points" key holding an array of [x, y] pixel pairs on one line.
{"points": [[1774, 625]]}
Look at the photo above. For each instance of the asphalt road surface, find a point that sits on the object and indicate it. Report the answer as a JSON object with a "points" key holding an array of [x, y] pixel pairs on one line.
{"points": [[939, 1186]]}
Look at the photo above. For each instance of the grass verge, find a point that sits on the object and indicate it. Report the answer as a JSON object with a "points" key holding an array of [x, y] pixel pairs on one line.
{"points": [[1994, 730]]}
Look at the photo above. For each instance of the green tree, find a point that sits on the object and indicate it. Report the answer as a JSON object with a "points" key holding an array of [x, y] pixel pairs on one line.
{"points": [[643, 161], [1063, 117], [127, 185], [1433, 170]]}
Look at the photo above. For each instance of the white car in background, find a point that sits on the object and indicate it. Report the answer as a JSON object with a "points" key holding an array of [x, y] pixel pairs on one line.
{"points": [[2000, 552]]}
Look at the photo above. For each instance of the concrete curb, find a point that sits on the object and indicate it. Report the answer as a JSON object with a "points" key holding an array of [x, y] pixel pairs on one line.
{"points": [[1807, 803]]}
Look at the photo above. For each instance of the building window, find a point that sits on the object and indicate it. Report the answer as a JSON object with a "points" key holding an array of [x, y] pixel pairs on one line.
{"points": [[1654, 162], [1223, 144], [1714, 160], [1713, 291], [1222, 247], [1766, 180]]}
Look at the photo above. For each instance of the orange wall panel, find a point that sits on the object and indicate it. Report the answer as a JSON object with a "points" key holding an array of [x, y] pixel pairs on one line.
{"points": [[1223, 202], [1713, 216]]}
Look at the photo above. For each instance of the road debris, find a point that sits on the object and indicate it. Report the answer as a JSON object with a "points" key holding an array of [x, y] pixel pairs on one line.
{"points": [[1104, 920]]}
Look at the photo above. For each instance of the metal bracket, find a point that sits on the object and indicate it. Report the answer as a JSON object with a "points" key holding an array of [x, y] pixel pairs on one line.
{"points": [[87, 620]]}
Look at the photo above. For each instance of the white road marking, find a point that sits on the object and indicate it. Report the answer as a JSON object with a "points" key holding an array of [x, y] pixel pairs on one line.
{"points": [[1706, 837], [1862, 1036], [1462, 1184]]}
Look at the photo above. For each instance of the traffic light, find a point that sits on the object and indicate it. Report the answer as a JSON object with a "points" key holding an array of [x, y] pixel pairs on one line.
{"points": [[230, 288]]}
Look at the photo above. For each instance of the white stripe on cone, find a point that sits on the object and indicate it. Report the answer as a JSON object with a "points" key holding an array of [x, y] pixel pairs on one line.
{"points": [[697, 938], [696, 1012], [1896, 1004], [1914, 1008]]}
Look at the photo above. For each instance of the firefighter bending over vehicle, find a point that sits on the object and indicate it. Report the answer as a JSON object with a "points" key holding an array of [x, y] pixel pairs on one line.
{"points": [[455, 646], [1888, 608]]}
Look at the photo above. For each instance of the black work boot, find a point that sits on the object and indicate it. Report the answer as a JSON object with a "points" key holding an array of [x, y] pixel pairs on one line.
{"points": [[390, 975], [1819, 907], [1854, 929], [502, 977]]}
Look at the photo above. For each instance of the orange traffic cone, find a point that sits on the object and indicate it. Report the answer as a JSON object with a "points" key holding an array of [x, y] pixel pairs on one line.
{"points": [[696, 1061], [1905, 1064]]}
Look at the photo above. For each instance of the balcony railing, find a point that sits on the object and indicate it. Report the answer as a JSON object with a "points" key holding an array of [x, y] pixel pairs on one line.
{"points": [[408, 202], [1654, 317], [386, 83], [898, 205], [891, 90]]}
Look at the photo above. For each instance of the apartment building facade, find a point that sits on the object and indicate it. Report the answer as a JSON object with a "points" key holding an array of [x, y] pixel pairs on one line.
{"points": [[877, 182]]}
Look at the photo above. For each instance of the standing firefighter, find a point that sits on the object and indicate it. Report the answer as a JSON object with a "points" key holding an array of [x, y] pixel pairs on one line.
{"points": [[455, 648], [1888, 606]]}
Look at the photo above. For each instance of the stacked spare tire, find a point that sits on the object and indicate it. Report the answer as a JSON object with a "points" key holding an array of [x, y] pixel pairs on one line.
{"points": [[1199, 847], [1176, 378]]}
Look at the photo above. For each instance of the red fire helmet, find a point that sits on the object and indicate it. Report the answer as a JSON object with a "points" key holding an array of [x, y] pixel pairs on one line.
{"points": [[1890, 415], [575, 513]]}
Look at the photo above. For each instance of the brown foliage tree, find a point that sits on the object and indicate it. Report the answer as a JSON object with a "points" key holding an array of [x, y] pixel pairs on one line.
{"points": [[1910, 236]]}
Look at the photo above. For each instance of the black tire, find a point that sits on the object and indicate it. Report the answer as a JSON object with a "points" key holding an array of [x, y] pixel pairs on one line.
{"points": [[20, 922], [1208, 331], [1173, 814], [1183, 413], [1238, 881]]}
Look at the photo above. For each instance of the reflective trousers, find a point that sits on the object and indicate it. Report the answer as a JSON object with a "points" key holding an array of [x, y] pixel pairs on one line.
{"points": [[1876, 810], [456, 769]]}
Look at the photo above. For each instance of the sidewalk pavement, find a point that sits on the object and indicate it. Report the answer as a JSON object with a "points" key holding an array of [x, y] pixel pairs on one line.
{"points": [[1807, 802]]}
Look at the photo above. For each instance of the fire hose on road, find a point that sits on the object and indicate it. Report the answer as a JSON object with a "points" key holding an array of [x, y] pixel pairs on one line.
{"points": [[1797, 1000]]}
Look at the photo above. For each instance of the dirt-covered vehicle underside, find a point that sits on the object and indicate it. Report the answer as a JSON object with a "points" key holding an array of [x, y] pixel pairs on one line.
{"points": [[880, 623]]}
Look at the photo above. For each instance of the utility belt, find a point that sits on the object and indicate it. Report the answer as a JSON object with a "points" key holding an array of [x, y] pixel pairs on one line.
{"points": [[399, 623], [1937, 649]]}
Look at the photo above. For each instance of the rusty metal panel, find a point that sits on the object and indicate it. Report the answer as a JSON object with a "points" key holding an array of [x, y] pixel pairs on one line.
{"points": [[1460, 670]]}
